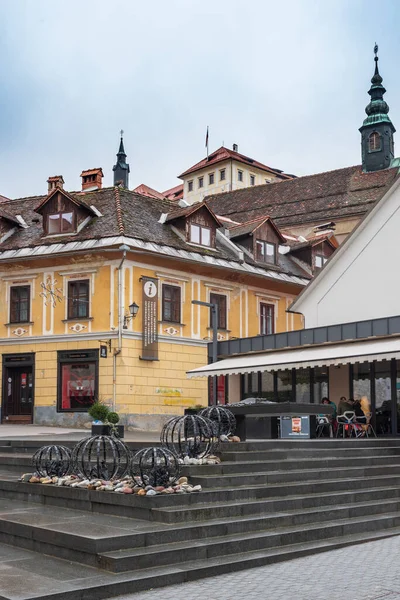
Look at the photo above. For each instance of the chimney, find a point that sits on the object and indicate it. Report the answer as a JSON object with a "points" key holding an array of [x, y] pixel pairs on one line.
{"points": [[235, 148], [92, 180], [54, 182]]}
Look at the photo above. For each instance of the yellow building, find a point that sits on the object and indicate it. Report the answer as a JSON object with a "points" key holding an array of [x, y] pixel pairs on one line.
{"points": [[74, 265]]}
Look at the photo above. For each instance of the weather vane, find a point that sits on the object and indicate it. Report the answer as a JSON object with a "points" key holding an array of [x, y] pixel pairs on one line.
{"points": [[122, 132], [51, 293], [376, 49]]}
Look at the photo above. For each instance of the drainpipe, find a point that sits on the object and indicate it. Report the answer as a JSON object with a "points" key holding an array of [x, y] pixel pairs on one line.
{"points": [[118, 350]]}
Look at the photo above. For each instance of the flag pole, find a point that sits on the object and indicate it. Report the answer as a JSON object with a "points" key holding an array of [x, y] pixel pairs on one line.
{"points": [[207, 141]]}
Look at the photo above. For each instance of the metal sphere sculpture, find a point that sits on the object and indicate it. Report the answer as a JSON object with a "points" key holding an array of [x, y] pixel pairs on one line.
{"points": [[190, 435], [52, 461], [100, 457], [223, 420], [156, 467]]}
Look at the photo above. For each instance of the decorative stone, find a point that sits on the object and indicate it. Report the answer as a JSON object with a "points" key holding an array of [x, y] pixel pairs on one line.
{"points": [[151, 493], [141, 492], [127, 490], [182, 480]]}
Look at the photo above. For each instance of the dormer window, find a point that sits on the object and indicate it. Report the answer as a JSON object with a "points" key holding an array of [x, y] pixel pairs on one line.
{"points": [[200, 235], [61, 222], [320, 261], [265, 251]]}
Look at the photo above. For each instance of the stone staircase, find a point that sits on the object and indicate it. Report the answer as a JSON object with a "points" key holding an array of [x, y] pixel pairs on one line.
{"points": [[266, 502]]}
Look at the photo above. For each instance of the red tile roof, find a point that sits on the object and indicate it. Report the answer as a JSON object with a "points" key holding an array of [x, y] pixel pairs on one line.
{"points": [[223, 154], [251, 226], [311, 199], [175, 193], [188, 210], [145, 190]]}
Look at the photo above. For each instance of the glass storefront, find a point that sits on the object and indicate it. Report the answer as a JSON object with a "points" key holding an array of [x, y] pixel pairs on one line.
{"points": [[320, 384], [284, 391], [303, 385], [267, 386], [383, 397], [361, 380]]}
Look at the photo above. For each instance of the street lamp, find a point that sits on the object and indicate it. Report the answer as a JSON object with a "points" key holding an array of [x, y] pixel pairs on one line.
{"points": [[214, 323], [133, 310]]}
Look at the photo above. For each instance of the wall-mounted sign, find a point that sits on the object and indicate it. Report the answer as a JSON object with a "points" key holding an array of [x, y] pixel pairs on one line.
{"points": [[149, 319], [295, 427], [23, 379], [103, 351]]}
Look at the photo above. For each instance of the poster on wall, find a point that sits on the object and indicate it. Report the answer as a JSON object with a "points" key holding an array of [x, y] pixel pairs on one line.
{"points": [[295, 427], [149, 318]]}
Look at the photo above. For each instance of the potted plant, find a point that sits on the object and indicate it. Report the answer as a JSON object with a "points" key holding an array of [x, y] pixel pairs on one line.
{"points": [[193, 410], [105, 422]]}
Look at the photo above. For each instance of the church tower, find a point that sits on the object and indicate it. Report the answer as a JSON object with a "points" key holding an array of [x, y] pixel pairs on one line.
{"points": [[377, 129], [121, 168]]}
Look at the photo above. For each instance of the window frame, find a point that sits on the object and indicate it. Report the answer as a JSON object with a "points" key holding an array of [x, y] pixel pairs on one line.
{"points": [[18, 308], [252, 180], [263, 320], [373, 136], [240, 175], [60, 221], [178, 303], [201, 182], [323, 260], [263, 257], [216, 298], [222, 175], [201, 228], [211, 178], [76, 358], [190, 185], [70, 300]]}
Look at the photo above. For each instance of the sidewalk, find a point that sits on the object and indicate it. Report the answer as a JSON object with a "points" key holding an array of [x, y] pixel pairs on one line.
{"points": [[23, 432]]}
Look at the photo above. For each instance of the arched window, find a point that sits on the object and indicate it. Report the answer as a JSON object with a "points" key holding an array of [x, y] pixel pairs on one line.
{"points": [[374, 142]]}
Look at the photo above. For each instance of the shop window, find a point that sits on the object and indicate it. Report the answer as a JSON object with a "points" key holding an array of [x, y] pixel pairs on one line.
{"points": [[303, 385], [284, 386], [171, 303], [267, 386], [78, 299], [220, 300], [200, 235], [61, 222], [267, 318], [250, 385], [265, 251], [20, 298], [321, 384], [77, 380]]}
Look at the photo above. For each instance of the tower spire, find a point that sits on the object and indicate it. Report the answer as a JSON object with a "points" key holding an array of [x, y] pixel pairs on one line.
{"points": [[377, 129], [121, 168]]}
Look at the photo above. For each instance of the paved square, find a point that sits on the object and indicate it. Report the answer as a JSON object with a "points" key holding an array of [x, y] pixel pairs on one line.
{"points": [[368, 571]]}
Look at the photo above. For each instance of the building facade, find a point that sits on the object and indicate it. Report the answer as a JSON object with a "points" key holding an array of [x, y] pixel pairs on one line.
{"points": [[74, 270]]}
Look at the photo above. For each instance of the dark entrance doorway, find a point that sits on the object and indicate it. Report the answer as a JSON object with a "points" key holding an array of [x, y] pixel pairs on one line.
{"points": [[18, 388]]}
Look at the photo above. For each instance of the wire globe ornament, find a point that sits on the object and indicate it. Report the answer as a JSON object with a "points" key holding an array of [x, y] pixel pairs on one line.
{"points": [[190, 435], [223, 420], [100, 457], [52, 461], [156, 467]]}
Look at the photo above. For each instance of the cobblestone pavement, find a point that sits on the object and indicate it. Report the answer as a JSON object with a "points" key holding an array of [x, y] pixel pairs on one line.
{"points": [[368, 571]]}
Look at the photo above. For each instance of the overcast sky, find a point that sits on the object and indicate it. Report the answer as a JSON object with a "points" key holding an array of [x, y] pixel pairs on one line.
{"points": [[286, 81]]}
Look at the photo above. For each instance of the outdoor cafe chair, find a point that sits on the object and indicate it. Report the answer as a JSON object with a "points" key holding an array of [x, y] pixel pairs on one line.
{"points": [[323, 424], [346, 420], [368, 425]]}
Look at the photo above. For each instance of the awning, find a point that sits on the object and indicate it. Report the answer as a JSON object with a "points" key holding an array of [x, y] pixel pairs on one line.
{"points": [[309, 356]]}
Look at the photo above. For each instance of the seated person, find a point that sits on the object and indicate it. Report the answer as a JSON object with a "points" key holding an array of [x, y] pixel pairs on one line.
{"points": [[345, 405], [326, 400]]}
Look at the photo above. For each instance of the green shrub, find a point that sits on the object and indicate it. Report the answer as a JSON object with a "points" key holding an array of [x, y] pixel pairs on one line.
{"points": [[113, 418], [99, 412]]}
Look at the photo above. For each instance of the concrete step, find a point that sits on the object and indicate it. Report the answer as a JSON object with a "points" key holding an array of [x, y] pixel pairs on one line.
{"points": [[285, 476], [326, 443], [177, 553], [291, 463], [86, 583], [235, 509], [338, 452]]}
